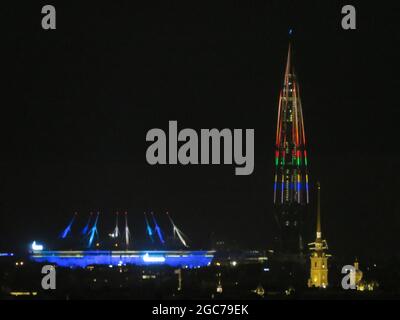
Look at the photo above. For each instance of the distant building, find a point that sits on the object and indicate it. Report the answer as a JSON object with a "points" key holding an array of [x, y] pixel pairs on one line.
{"points": [[362, 284]]}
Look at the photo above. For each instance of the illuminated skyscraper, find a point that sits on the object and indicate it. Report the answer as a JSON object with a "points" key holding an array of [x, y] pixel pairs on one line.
{"points": [[291, 195], [318, 258]]}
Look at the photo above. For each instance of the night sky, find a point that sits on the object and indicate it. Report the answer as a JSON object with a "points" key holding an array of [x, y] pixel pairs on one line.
{"points": [[77, 103]]}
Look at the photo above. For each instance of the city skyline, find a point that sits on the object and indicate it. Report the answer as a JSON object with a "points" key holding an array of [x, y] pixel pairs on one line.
{"points": [[74, 136]]}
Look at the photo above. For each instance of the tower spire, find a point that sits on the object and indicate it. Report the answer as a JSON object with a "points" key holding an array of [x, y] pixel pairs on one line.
{"points": [[319, 257], [289, 58], [319, 233], [288, 63], [291, 196]]}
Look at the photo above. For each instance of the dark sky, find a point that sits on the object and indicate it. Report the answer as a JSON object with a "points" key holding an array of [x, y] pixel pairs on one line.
{"points": [[78, 102]]}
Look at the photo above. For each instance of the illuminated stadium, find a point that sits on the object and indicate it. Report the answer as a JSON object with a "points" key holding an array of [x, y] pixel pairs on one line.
{"points": [[82, 259], [179, 258]]}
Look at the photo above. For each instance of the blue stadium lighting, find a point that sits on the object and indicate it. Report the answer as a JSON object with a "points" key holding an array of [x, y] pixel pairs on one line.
{"points": [[82, 259], [148, 228], [93, 231], [90, 257], [92, 234], [6, 254], [86, 227], [160, 236], [158, 229], [149, 231], [67, 230]]}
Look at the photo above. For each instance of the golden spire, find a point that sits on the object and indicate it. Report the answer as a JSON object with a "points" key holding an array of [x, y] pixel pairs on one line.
{"points": [[319, 233], [319, 258]]}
